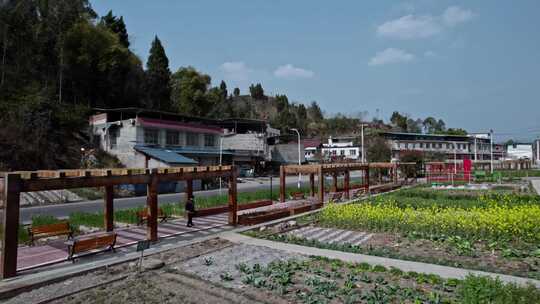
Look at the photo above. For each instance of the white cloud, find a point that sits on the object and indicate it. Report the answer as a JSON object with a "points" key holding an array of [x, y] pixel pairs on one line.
{"points": [[236, 70], [455, 15], [289, 71], [423, 26], [390, 55], [409, 27], [429, 54]]}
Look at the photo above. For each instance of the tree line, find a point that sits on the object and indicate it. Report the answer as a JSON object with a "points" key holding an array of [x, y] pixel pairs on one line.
{"points": [[59, 59]]}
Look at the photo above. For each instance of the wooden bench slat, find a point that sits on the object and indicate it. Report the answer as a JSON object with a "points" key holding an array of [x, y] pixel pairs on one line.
{"points": [[102, 241], [43, 231]]}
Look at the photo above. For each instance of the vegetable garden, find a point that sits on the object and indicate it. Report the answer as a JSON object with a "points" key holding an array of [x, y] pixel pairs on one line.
{"points": [[495, 231]]}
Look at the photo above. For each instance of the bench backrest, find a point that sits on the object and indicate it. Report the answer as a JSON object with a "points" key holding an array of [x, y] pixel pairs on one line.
{"points": [[144, 213], [50, 228], [297, 195], [96, 242]]}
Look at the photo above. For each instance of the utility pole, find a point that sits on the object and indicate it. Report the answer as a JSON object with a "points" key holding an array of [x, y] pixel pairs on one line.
{"points": [[491, 149], [299, 156], [362, 142]]}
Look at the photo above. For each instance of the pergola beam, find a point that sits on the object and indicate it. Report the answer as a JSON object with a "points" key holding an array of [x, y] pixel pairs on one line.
{"points": [[28, 181]]}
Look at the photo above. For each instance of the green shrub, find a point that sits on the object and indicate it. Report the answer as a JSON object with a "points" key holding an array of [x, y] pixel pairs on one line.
{"points": [[480, 290]]}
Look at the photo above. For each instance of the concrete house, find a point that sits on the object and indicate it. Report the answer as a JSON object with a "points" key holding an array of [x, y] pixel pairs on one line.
{"points": [[149, 139]]}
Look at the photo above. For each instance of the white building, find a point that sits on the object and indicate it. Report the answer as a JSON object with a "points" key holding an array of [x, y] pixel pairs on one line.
{"points": [[520, 151], [342, 147]]}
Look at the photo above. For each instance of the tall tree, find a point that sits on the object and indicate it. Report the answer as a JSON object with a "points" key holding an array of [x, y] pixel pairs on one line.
{"points": [[314, 112], [189, 92], [158, 78], [223, 90], [256, 91], [236, 92], [117, 26], [399, 121]]}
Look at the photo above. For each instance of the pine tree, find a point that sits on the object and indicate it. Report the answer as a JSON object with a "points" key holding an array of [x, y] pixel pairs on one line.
{"points": [[223, 89], [117, 26], [158, 77]]}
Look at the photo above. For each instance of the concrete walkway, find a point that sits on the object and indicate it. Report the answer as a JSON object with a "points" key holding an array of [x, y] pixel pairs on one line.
{"points": [[443, 271], [536, 184]]}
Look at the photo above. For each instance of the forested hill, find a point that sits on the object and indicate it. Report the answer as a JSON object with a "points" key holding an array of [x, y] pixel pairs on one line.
{"points": [[59, 59]]}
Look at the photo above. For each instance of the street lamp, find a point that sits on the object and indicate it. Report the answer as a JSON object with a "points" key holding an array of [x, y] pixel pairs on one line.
{"points": [[299, 156], [220, 158]]}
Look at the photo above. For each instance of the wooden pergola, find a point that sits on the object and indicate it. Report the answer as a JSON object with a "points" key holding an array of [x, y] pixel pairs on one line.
{"points": [[321, 171], [26, 181]]}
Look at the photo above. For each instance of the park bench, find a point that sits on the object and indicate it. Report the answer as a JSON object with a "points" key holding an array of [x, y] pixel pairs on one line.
{"points": [[142, 216], [88, 244], [336, 196], [297, 196], [356, 193], [44, 231]]}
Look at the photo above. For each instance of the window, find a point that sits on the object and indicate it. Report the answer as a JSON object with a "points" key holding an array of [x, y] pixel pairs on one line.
{"points": [[192, 139], [342, 152], [421, 145], [209, 140], [172, 138], [334, 152], [440, 145], [151, 136], [352, 152], [113, 136], [447, 146], [427, 145]]}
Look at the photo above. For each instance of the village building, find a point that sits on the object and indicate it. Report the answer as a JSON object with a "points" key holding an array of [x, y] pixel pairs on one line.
{"points": [[474, 147], [342, 147]]}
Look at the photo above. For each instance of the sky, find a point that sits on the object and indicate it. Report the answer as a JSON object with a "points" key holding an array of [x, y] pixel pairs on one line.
{"points": [[475, 64]]}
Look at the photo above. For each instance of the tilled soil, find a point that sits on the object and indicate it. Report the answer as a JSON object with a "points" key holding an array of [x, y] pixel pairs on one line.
{"points": [[478, 257], [127, 272], [187, 277]]}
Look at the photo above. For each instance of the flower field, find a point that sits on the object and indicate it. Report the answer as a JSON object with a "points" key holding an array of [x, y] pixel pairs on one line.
{"points": [[496, 222], [491, 217], [494, 231]]}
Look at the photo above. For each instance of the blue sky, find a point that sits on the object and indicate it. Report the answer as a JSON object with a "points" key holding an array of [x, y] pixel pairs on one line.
{"points": [[475, 64]]}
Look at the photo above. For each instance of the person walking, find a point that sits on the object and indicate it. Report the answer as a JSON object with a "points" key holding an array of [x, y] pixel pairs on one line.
{"points": [[190, 210]]}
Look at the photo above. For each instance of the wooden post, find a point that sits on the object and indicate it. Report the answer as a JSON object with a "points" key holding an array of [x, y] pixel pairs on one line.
{"points": [[189, 189], [367, 179], [346, 185], [282, 185], [321, 185], [10, 239], [109, 208], [334, 182], [233, 203], [311, 184], [152, 203]]}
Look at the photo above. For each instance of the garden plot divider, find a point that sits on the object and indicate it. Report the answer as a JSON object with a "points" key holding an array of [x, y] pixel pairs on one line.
{"points": [[14, 183]]}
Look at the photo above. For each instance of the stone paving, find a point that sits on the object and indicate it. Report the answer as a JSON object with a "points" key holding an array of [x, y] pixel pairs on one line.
{"points": [[56, 251], [331, 235]]}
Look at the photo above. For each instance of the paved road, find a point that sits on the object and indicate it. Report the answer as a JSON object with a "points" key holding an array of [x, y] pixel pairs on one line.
{"points": [[63, 210]]}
